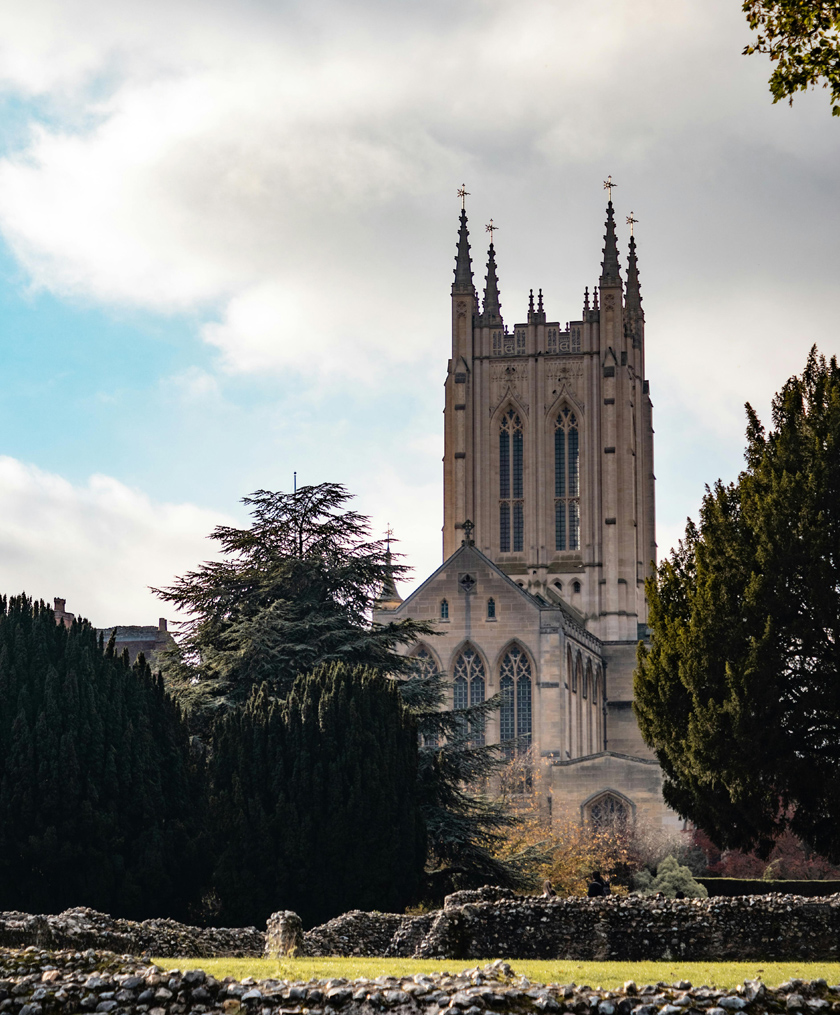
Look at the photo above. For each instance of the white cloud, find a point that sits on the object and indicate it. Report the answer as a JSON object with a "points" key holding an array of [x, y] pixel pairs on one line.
{"points": [[99, 546], [255, 163]]}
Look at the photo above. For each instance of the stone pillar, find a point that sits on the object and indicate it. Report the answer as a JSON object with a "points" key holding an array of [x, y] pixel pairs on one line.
{"points": [[283, 935]]}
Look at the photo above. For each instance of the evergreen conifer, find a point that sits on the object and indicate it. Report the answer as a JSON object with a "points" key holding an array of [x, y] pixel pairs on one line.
{"points": [[314, 800], [96, 794]]}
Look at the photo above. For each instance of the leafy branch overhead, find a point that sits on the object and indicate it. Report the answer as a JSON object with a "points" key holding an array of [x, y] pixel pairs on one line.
{"points": [[802, 38]]}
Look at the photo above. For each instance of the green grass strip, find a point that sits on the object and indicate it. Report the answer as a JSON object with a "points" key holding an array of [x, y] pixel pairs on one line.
{"points": [[609, 975]]}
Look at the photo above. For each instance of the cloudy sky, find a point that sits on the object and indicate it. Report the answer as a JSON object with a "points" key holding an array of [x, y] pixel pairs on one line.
{"points": [[227, 233]]}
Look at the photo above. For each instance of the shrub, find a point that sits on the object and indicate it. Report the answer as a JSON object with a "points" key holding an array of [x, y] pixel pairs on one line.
{"points": [[671, 877]]}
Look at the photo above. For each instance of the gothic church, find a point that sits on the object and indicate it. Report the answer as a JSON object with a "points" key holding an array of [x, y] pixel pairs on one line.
{"points": [[548, 534]]}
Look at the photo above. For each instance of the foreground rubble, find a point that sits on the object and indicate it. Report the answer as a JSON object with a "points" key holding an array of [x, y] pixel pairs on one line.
{"points": [[34, 982]]}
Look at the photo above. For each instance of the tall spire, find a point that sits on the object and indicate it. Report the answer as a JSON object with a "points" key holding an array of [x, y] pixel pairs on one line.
{"points": [[635, 314], [389, 598], [463, 262], [610, 270], [492, 305]]}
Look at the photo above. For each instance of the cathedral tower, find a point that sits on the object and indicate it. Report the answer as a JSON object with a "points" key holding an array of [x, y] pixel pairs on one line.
{"points": [[548, 533], [549, 442]]}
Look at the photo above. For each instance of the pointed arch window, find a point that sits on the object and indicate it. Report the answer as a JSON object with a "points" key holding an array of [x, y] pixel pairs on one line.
{"points": [[515, 716], [608, 811], [424, 665], [566, 481], [491, 609], [511, 484], [470, 689]]}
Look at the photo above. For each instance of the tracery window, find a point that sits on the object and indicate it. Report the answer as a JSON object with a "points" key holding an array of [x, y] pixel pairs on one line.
{"points": [[608, 811], [470, 689], [511, 486], [444, 610], [566, 481], [425, 666], [515, 714]]}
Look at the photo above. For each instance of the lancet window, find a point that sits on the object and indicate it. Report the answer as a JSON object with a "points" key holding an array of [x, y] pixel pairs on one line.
{"points": [[566, 481], [511, 485], [470, 689], [515, 715]]}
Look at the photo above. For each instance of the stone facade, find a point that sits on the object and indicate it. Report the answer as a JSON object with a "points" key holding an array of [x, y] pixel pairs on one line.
{"points": [[548, 534]]}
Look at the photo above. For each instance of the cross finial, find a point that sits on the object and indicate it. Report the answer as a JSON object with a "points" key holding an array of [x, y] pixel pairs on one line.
{"points": [[463, 193], [491, 229], [631, 222], [468, 527], [388, 533], [608, 185]]}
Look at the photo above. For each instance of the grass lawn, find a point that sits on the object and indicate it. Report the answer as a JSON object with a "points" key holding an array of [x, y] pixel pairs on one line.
{"points": [[596, 974]]}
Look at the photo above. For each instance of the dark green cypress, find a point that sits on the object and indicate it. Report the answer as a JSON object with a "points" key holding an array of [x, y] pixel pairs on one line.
{"points": [[330, 820], [97, 796]]}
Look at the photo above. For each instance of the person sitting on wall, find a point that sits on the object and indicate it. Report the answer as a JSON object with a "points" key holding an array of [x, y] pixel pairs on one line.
{"points": [[548, 891], [598, 886]]}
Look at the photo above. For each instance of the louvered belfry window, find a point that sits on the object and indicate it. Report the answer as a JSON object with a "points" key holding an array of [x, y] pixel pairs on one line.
{"points": [[566, 481], [511, 484]]}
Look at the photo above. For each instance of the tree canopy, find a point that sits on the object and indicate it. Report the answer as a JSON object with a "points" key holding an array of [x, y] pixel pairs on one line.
{"points": [[739, 693], [293, 591], [466, 829], [802, 38], [97, 798], [313, 800]]}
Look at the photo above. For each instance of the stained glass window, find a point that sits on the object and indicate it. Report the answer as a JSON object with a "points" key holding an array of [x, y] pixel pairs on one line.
{"points": [[515, 684], [566, 481], [511, 483], [470, 688]]}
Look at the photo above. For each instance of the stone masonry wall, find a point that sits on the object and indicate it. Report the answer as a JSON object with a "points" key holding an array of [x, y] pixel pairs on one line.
{"points": [[493, 922], [83, 928]]}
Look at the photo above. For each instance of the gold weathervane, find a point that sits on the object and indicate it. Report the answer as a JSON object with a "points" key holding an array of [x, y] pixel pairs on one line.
{"points": [[608, 185], [463, 193], [631, 222], [490, 228]]}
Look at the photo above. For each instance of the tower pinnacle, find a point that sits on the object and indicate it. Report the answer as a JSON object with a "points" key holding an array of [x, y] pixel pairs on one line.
{"points": [[463, 262], [492, 305], [610, 270], [635, 314]]}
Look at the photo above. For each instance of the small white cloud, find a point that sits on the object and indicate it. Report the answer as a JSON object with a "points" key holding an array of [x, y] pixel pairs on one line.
{"points": [[99, 546]]}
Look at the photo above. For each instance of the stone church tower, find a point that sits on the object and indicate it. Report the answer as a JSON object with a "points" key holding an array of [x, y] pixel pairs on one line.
{"points": [[549, 532]]}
